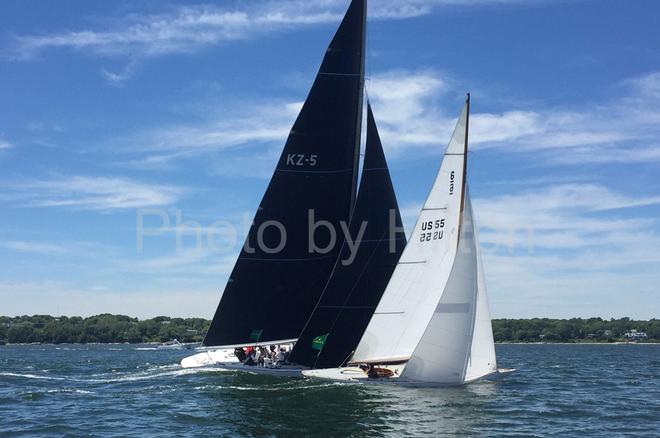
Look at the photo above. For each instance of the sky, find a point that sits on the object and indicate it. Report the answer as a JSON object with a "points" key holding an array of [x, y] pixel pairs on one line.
{"points": [[137, 138]]}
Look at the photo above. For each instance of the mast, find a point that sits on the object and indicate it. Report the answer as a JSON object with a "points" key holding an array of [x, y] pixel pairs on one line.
{"points": [[465, 152], [358, 131]]}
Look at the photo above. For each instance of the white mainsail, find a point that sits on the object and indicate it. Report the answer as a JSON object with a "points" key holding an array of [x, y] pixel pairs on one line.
{"points": [[422, 273]]}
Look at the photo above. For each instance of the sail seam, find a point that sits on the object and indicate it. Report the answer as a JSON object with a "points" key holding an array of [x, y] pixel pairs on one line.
{"points": [[313, 171], [346, 307], [307, 259], [382, 240], [340, 74]]}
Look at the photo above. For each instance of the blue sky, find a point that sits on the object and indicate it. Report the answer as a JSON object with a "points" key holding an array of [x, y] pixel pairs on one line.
{"points": [[112, 110]]}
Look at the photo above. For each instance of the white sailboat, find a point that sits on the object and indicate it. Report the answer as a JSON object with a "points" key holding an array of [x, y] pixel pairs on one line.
{"points": [[432, 325]]}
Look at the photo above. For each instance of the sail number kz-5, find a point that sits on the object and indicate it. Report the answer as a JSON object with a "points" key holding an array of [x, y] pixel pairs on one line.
{"points": [[301, 160]]}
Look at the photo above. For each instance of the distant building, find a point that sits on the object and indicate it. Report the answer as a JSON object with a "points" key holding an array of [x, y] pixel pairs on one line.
{"points": [[634, 335]]}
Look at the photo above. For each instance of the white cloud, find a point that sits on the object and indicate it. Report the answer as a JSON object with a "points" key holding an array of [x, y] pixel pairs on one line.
{"points": [[647, 85], [566, 250], [564, 215], [189, 260], [35, 247], [92, 193], [188, 28], [119, 77], [4, 144], [622, 130], [259, 122], [410, 116], [550, 287], [64, 298], [180, 30], [250, 135], [404, 105], [70, 248], [245, 135]]}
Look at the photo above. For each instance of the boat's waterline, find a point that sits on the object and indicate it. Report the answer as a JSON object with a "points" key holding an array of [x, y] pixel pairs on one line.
{"points": [[358, 375], [224, 359]]}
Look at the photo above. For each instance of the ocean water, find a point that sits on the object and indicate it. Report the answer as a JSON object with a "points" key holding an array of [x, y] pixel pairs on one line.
{"points": [[128, 390]]}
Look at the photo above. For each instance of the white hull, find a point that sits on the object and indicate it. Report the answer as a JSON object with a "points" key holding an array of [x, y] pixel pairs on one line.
{"points": [[226, 360], [210, 357], [357, 375]]}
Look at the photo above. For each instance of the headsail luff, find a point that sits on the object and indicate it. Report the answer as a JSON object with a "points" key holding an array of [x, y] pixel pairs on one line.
{"points": [[354, 289], [420, 277], [273, 292]]}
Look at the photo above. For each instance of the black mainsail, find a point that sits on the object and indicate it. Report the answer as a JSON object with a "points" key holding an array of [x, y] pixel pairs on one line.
{"points": [[354, 289], [280, 275]]}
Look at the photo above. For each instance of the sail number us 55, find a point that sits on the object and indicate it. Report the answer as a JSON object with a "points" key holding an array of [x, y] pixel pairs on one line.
{"points": [[432, 230]]}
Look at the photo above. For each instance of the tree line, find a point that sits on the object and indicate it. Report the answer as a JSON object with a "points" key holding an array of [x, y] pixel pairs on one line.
{"points": [[104, 328], [108, 328], [572, 330]]}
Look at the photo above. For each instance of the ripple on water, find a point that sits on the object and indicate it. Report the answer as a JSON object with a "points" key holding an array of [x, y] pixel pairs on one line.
{"points": [[97, 390]]}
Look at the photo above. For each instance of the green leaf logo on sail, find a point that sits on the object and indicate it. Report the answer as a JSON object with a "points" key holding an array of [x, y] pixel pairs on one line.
{"points": [[317, 343], [256, 334]]}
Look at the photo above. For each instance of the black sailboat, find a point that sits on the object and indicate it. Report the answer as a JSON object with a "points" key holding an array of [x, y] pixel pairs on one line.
{"points": [[277, 280], [359, 277]]}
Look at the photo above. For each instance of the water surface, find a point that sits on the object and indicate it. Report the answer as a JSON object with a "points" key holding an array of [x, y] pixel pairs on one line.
{"points": [[120, 390]]}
